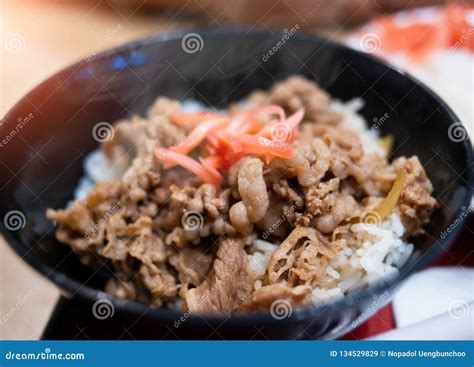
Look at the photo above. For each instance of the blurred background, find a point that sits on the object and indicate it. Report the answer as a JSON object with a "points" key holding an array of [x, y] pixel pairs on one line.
{"points": [[431, 38]]}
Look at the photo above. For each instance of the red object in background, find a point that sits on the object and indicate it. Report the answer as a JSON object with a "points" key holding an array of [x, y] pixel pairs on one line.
{"points": [[381, 322], [461, 253], [449, 27]]}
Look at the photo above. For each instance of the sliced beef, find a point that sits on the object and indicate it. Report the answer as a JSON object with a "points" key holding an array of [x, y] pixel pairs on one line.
{"points": [[226, 285], [269, 298], [344, 208], [286, 256], [192, 264], [83, 224], [194, 213], [160, 283], [416, 203], [296, 93], [310, 162], [366, 173]]}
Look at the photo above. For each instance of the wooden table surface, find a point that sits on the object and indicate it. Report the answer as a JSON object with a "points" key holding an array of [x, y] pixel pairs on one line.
{"points": [[38, 39]]}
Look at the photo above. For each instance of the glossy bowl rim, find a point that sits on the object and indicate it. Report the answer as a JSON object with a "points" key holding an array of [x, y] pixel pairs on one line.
{"points": [[304, 312]]}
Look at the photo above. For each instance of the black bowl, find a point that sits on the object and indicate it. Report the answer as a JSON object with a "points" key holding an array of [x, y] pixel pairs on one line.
{"points": [[49, 131]]}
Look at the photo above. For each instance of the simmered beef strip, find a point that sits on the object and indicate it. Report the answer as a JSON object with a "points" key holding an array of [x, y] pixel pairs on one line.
{"points": [[226, 285]]}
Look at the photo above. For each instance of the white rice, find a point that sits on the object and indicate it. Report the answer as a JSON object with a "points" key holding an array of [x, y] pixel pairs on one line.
{"points": [[355, 122], [96, 168], [258, 261], [85, 185], [380, 254]]}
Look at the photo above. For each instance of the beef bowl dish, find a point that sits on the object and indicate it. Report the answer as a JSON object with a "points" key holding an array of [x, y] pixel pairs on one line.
{"points": [[287, 194]]}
